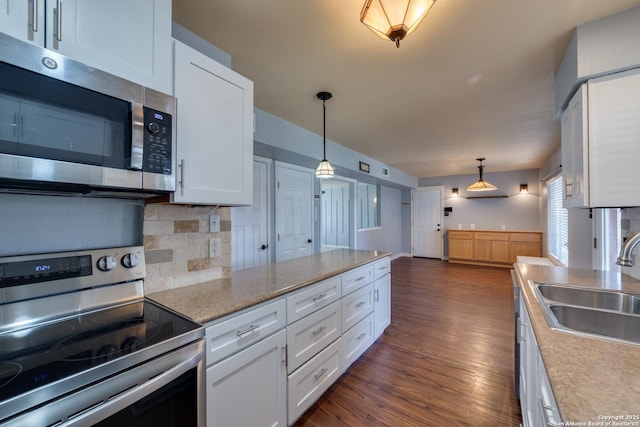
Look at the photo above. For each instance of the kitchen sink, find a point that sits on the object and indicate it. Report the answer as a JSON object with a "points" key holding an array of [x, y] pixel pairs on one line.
{"points": [[602, 313], [619, 326], [606, 300]]}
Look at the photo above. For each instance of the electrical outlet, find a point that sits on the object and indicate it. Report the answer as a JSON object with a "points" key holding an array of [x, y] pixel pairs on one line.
{"points": [[214, 247], [214, 223]]}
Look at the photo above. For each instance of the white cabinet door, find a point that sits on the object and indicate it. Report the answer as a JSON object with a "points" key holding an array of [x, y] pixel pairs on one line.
{"points": [[23, 19], [528, 370], [614, 138], [249, 388], [131, 39], [575, 151], [382, 304], [215, 131]]}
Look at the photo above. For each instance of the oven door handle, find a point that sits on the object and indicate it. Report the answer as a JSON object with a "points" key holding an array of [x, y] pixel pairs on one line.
{"points": [[120, 401]]}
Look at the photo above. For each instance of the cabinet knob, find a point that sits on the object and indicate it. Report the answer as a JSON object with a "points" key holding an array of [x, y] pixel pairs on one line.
{"points": [[263, 247], [309, 240]]}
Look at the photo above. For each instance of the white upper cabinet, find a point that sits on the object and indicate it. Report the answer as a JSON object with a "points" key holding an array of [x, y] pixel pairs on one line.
{"points": [[600, 136], [23, 19], [131, 39], [215, 131]]}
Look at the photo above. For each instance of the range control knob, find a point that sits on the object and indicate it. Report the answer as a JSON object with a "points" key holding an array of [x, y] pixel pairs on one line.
{"points": [[153, 127], [107, 263], [129, 260]]}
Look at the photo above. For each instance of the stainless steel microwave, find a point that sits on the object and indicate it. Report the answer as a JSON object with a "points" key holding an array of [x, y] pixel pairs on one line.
{"points": [[69, 127]]}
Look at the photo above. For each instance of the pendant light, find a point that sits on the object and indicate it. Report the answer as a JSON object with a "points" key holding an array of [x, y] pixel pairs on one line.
{"points": [[324, 170], [481, 184], [394, 19]]}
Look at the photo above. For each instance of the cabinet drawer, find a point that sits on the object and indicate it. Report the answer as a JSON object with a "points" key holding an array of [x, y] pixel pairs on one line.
{"points": [[313, 378], [311, 298], [456, 234], [354, 279], [356, 306], [381, 267], [241, 331], [357, 340], [491, 236], [526, 237], [308, 336]]}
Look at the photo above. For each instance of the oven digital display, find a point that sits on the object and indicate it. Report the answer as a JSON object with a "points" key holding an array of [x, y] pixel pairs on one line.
{"points": [[44, 270]]}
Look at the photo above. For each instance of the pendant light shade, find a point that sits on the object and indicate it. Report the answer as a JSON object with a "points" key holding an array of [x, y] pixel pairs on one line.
{"points": [[324, 169], [394, 19], [481, 184]]}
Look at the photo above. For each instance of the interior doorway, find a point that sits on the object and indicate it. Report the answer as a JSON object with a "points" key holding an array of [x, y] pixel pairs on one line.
{"points": [[427, 221], [337, 216]]}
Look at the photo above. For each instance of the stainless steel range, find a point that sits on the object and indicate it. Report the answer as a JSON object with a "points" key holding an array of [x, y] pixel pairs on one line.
{"points": [[80, 345]]}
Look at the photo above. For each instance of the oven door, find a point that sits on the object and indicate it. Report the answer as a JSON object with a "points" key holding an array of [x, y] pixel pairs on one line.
{"points": [[166, 391]]}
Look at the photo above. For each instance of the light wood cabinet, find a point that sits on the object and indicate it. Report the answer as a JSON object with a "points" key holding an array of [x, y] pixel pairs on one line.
{"points": [[495, 248], [461, 245], [91, 32], [600, 133]]}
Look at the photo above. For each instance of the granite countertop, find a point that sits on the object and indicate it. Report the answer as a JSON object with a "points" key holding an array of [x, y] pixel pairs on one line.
{"points": [[591, 378], [211, 300]]}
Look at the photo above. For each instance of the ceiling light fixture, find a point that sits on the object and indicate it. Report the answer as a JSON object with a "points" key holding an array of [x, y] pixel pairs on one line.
{"points": [[394, 19], [481, 184], [324, 169]]}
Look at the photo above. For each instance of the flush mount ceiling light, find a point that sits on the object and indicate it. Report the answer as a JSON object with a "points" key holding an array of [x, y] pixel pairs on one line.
{"points": [[324, 169], [481, 184], [394, 19]]}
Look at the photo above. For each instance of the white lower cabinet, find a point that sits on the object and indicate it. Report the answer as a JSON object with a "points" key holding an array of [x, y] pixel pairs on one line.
{"points": [[249, 388], [537, 403], [313, 378], [268, 364], [357, 340]]}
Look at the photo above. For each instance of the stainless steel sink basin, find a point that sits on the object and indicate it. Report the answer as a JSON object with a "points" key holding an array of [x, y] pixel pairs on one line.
{"points": [[605, 300], [619, 326], [606, 314]]}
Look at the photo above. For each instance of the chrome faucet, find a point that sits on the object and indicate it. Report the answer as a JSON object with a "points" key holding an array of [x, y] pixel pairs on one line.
{"points": [[624, 258]]}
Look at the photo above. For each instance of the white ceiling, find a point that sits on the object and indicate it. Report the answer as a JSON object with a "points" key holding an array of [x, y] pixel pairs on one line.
{"points": [[475, 79]]}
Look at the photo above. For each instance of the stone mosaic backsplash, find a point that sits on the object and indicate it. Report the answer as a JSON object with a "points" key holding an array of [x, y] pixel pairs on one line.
{"points": [[176, 243]]}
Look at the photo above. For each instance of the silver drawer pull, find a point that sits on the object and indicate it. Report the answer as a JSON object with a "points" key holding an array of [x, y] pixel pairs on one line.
{"points": [[360, 304], [248, 329], [318, 376], [319, 297], [382, 268], [360, 278], [362, 335], [319, 330]]}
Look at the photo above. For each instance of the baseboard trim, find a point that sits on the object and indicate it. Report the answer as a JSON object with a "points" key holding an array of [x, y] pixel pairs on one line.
{"points": [[400, 255]]}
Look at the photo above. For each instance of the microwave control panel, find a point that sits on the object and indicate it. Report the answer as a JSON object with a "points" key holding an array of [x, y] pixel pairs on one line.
{"points": [[157, 142]]}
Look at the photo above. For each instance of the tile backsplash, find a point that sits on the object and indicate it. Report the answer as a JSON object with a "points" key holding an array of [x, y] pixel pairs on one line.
{"points": [[176, 244], [629, 225]]}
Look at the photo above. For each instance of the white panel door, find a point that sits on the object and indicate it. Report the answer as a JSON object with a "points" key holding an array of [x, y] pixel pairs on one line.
{"points": [[249, 232], [426, 222], [294, 211]]}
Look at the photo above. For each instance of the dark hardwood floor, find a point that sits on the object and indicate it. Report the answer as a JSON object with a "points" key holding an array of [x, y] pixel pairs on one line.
{"points": [[445, 360]]}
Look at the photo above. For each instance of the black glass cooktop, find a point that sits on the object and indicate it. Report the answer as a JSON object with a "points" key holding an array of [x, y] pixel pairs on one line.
{"points": [[40, 355]]}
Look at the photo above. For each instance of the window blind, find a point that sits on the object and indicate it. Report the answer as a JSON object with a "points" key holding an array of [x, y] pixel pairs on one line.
{"points": [[557, 223]]}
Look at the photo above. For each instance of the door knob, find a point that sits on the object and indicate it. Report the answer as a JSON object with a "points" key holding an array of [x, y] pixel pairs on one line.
{"points": [[263, 247], [309, 240]]}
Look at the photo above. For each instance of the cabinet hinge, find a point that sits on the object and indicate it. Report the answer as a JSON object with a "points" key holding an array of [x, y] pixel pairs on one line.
{"points": [[278, 185], [595, 243], [278, 237]]}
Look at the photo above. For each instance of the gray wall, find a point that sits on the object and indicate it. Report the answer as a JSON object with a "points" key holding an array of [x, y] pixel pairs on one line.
{"points": [[37, 224], [514, 212], [597, 48], [278, 139]]}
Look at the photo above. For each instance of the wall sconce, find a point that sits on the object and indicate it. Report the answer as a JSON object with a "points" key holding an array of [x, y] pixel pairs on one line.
{"points": [[524, 188], [454, 192]]}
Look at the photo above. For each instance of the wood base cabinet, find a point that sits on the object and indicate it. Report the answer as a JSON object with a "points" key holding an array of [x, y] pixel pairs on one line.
{"points": [[493, 248]]}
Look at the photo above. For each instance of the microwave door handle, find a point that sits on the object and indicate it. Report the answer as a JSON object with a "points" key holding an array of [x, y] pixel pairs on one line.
{"points": [[137, 135]]}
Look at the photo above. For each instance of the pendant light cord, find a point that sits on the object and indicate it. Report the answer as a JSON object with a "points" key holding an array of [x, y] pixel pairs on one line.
{"points": [[324, 130]]}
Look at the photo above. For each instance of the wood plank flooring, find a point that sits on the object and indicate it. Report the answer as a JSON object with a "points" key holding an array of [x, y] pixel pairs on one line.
{"points": [[445, 360]]}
